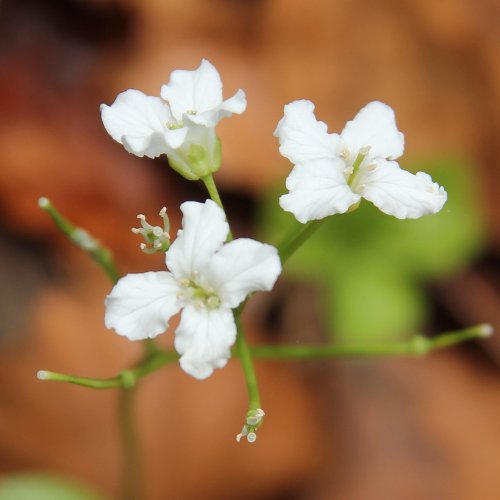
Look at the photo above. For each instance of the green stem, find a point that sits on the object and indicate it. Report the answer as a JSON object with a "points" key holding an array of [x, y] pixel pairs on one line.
{"points": [[214, 195], [245, 355], [132, 473], [125, 379], [242, 347], [296, 239], [212, 189], [82, 239], [416, 346]]}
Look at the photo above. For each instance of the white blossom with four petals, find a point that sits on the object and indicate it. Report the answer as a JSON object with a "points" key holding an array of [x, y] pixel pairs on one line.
{"points": [[333, 172], [207, 278], [180, 124]]}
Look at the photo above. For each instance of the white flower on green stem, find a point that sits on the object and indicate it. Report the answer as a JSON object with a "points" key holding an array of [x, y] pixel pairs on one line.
{"points": [[207, 278], [180, 124], [333, 172]]}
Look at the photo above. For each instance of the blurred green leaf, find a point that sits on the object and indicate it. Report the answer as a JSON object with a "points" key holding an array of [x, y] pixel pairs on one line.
{"points": [[372, 302], [37, 486], [373, 265]]}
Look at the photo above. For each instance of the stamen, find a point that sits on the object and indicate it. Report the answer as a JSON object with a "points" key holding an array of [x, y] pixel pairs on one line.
{"points": [[174, 126], [213, 302], [345, 154], [157, 238]]}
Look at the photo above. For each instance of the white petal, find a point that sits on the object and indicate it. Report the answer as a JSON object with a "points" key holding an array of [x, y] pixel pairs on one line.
{"points": [[235, 104], [204, 230], [193, 91], [400, 193], [138, 122], [203, 339], [318, 188], [374, 126], [241, 267], [301, 136], [200, 135], [140, 305], [175, 138]]}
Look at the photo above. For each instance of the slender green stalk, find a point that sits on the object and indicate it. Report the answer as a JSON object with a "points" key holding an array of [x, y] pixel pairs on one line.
{"points": [[416, 346], [245, 354], [82, 239], [214, 195], [125, 379], [212, 189], [296, 239], [131, 473], [242, 347]]}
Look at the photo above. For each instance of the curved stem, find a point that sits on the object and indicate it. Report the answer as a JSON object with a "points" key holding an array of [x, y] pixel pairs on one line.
{"points": [[82, 239], [416, 346], [132, 473], [296, 239], [125, 379], [242, 347], [214, 195], [245, 354]]}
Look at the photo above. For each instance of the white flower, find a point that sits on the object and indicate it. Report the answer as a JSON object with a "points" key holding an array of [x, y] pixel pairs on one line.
{"points": [[181, 123], [206, 279], [333, 172]]}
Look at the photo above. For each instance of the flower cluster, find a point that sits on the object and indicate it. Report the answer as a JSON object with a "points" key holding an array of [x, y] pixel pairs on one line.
{"points": [[207, 278], [180, 124]]}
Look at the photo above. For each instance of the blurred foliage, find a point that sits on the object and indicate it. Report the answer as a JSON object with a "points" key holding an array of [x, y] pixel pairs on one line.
{"points": [[372, 267], [43, 487]]}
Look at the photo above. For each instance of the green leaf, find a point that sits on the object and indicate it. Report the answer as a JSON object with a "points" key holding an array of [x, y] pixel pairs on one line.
{"points": [[372, 303], [38, 486]]}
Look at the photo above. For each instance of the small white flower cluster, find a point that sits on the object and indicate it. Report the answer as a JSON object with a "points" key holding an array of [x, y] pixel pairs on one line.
{"points": [[333, 172], [208, 277], [180, 124]]}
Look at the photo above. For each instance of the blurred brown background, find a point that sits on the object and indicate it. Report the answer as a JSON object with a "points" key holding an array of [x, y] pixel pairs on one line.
{"points": [[377, 430]]}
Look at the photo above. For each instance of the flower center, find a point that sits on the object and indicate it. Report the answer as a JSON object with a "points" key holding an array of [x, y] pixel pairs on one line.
{"points": [[174, 126], [352, 172], [201, 297]]}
